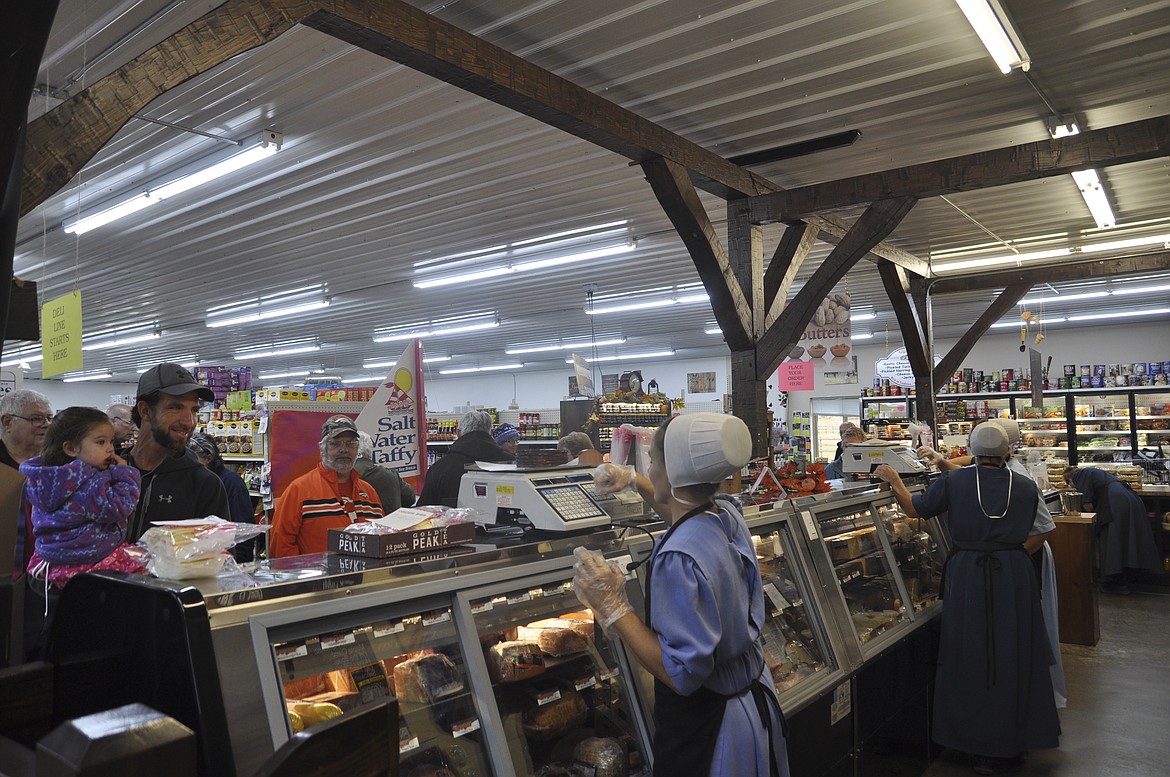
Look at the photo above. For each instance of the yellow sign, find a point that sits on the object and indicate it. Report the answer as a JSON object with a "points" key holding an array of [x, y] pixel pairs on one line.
{"points": [[61, 335]]}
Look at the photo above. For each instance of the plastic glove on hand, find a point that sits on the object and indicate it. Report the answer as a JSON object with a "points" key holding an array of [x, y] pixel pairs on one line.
{"points": [[887, 473], [929, 455], [600, 585], [610, 478]]}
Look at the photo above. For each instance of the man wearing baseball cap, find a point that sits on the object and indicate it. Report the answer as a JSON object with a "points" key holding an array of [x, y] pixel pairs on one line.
{"points": [[175, 484], [330, 496]]}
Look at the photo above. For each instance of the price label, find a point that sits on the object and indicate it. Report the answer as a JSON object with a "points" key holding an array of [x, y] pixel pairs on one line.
{"points": [[406, 745], [386, 629], [466, 727], [286, 652], [547, 697], [484, 606], [778, 601], [608, 674], [584, 682], [434, 618], [329, 641], [520, 598], [810, 524]]}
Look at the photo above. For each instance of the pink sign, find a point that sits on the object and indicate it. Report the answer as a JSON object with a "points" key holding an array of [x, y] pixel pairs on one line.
{"points": [[795, 376]]}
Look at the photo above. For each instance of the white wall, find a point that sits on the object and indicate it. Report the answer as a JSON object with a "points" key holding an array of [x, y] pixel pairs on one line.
{"points": [[86, 394]]}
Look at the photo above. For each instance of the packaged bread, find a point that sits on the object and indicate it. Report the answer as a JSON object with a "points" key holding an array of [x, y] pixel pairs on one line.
{"points": [[517, 660], [307, 686], [557, 636], [426, 678], [605, 755], [555, 719]]}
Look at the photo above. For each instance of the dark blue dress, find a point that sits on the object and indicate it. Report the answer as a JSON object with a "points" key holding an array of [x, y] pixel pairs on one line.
{"points": [[993, 691], [1127, 539]]}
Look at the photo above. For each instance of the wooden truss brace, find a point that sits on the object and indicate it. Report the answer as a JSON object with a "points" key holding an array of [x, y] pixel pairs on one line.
{"points": [[64, 139], [1006, 300]]}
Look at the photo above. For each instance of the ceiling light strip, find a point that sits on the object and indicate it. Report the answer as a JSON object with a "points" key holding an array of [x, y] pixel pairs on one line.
{"points": [[492, 368]]}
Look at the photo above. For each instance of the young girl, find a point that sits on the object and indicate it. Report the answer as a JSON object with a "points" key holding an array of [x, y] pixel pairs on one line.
{"points": [[81, 494]]}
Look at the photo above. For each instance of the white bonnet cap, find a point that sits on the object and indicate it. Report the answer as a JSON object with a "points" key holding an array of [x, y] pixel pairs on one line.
{"points": [[988, 440], [705, 448], [1011, 428]]}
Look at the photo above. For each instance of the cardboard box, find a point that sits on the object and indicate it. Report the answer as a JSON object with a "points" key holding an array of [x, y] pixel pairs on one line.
{"points": [[410, 542]]}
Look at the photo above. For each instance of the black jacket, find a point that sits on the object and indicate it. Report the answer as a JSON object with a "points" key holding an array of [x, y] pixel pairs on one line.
{"points": [[179, 488], [393, 491], [442, 483]]}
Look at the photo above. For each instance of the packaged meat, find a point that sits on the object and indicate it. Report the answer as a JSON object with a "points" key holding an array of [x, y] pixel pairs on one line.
{"points": [[558, 636], [427, 678], [511, 661], [605, 755], [555, 719]]}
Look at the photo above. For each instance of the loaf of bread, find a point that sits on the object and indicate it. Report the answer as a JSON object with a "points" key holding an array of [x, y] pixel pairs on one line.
{"points": [[299, 689], [558, 636], [511, 661], [426, 678], [555, 719]]}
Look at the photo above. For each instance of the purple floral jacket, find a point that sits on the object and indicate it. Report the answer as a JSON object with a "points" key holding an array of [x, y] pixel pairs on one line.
{"points": [[79, 511]]}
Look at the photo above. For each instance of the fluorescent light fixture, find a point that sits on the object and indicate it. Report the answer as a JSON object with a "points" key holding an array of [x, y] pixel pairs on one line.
{"points": [[175, 187], [493, 368], [661, 302], [299, 373], [713, 330], [22, 357], [392, 362], [1065, 298], [443, 326], [83, 376], [118, 338], [276, 305], [860, 335], [991, 261], [565, 347], [1142, 290], [993, 28], [1120, 314], [189, 362], [626, 357], [1017, 323], [365, 379], [862, 316], [277, 349], [1062, 126], [536, 264], [1135, 242], [1095, 198]]}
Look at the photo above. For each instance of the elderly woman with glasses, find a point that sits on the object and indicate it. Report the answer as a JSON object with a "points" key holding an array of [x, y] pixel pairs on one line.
{"points": [[330, 496]]}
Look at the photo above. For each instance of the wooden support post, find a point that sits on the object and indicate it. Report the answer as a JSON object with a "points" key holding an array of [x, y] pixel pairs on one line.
{"points": [[897, 285], [749, 399], [924, 386], [794, 247]]}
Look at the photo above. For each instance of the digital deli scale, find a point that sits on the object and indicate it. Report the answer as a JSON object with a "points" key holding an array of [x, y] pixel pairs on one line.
{"points": [[559, 499], [864, 457]]}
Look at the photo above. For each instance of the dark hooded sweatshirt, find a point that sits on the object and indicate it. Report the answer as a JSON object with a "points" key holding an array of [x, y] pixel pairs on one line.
{"points": [[179, 488], [442, 483]]}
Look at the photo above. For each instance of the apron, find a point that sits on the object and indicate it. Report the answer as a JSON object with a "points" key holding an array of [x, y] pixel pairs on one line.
{"points": [[686, 728]]}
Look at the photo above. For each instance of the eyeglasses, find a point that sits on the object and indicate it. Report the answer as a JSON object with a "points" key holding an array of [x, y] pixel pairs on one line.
{"points": [[36, 420], [122, 420], [338, 444]]}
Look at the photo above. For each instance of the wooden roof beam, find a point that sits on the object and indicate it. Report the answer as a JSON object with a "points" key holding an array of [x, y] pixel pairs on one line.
{"points": [[1002, 304], [1133, 142]]}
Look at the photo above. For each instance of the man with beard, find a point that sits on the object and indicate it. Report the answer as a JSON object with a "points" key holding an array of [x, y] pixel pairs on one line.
{"points": [[330, 496], [175, 484]]}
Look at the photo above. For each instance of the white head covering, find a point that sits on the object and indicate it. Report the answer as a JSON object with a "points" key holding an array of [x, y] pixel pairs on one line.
{"points": [[705, 448], [988, 440], [1011, 428]]}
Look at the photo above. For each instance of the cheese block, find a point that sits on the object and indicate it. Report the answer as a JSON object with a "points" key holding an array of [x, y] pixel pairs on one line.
{"points": [[557, 636], [517, 660], [427, 678]]}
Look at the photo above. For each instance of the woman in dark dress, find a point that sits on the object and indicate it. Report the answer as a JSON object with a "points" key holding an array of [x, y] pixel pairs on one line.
{"points": [[1126, 537], [993, 691]]}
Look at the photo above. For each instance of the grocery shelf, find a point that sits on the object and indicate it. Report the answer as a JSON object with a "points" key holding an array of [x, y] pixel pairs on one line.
{"points": [[242, 457], [1110, 431]]}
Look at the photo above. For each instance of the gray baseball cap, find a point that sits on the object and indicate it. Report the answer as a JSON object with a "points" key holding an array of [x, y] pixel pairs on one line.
{"points": [[173, 379]]}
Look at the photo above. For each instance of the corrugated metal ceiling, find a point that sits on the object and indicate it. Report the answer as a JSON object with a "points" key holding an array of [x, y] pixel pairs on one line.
{"points": [[384, 171]]}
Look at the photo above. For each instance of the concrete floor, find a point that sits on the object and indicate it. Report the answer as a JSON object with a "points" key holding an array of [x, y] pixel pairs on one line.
{"points": [[1117, 723]]}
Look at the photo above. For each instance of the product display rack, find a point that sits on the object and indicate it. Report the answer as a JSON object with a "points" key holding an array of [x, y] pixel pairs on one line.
{"points": [[1082, 425]]}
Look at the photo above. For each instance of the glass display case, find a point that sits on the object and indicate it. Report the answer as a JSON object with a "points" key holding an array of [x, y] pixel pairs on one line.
{"points": [[411, 654], [558, 687]]}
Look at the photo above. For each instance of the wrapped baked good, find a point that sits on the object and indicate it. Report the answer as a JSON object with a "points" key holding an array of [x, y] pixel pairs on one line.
{"points": [[517, 660], [555, 719], [605, 755], [426, 678], [558, 636], [559, 770]]}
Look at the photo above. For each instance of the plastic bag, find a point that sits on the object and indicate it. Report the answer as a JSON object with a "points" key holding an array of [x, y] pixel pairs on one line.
{"points": [[412, 518], [185, 550], [619, 447]]}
